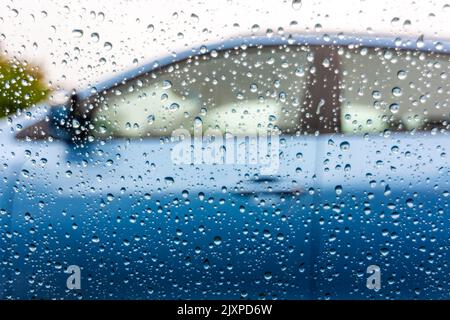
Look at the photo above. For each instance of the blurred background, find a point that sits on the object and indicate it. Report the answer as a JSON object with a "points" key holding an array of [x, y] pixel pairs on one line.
{"points": [[46, 45]]}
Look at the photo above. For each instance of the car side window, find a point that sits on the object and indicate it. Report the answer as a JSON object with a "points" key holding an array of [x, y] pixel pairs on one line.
{"points": [[397, 90], [240, 91]]}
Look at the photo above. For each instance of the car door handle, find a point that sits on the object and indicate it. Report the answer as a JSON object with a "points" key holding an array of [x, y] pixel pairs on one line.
{"points": [[264, 179], [269, 191]]}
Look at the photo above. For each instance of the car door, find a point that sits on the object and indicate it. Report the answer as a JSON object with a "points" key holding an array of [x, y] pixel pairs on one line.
{"points": [[384, 181], [153, 204]]}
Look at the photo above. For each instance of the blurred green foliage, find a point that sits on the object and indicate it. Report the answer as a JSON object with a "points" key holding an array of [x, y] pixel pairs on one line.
{"points": [[21, 85]]}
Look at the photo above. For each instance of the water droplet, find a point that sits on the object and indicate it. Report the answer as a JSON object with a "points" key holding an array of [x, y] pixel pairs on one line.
{"points": [[169, 180], [410, 203], [401, 74], [396, 91], [255, 28], [195, 18], [394, 108], [345, 146], [167, 84], [376, 94], [107, 46], [420, 42], [387, 190], [217, 240], [77, 33], [296, 4], [95, 37]]}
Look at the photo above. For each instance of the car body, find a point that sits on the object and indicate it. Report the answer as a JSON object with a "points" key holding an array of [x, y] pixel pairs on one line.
{"points": [[338, 209]]}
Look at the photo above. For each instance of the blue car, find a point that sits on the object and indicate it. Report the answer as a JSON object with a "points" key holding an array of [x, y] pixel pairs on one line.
{"points": [[297, 167]]}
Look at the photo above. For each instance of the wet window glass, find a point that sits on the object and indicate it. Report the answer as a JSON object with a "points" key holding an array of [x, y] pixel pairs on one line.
{"points": [[397, 90], [237, 91], [232, 150]]}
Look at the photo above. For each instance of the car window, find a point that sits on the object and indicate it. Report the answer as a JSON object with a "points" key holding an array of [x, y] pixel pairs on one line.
{"points": [[240, 91], [398, 90]]}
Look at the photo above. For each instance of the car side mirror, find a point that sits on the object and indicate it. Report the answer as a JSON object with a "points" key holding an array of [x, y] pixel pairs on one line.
{"points": [[60, 114]]}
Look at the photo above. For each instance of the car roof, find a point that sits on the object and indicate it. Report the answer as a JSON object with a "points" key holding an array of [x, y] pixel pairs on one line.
{"points": [[404, 43]]}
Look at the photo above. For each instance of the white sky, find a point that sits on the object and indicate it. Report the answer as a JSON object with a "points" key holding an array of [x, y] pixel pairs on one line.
{"points": [[42, 32]]}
